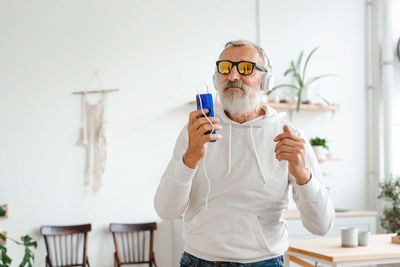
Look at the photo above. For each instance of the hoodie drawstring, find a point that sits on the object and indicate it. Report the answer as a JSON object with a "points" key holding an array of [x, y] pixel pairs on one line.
{"points": [[255, 152], [207, 178], [230, 162], [230, 150]]}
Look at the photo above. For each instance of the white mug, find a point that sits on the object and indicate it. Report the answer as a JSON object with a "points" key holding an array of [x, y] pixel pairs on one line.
{"points": [[349, 237], [363, 238]]}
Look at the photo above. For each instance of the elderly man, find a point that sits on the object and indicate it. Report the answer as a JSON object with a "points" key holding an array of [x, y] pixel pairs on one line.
{"points": [[233, 193]]}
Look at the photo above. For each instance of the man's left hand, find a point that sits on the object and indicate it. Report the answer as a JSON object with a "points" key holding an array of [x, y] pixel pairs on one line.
{"points": [[290, 147]]}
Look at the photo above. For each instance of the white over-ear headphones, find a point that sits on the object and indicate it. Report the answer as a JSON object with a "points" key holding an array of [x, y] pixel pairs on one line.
{"points": [[267, 79]]}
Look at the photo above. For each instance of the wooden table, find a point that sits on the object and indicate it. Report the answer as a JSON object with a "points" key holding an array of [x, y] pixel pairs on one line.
{"points": [[328, 251]]}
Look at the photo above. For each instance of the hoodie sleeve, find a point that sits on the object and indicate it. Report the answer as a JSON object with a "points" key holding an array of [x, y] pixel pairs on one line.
{"points": [[172, 196], [316, 210]]}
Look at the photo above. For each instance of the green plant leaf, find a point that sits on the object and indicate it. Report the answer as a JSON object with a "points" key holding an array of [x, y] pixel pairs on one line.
{"points": [[28, 256], [319, 142], [317, 78], [3, 237], [26, 238], [323, 99], [307, 60], [293, 67], [298, 79], [4, 257], [2, 211], [298, 99], [288, 71], [390, 191], [299, 59]]}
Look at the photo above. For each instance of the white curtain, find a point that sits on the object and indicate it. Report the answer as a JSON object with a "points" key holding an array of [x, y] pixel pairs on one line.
{"points": [[395, 25]]}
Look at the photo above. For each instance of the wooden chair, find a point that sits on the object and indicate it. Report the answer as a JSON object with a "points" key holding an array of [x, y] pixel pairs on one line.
{"points": [[133, 243], [66, 245]]}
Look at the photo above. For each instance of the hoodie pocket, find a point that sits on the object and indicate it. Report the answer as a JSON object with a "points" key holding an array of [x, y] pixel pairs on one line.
{"points": [[230, 232]]}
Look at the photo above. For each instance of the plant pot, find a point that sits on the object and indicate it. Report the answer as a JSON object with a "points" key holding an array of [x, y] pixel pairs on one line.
{"points": [[305, 95], [274, 98], [319, 152], [396, 239]]}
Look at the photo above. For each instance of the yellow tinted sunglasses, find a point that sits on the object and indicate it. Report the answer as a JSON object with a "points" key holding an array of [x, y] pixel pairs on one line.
{"points": [[244, 67]]}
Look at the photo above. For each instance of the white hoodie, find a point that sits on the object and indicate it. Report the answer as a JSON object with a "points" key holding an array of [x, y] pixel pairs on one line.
{"points": [[233, 204]]}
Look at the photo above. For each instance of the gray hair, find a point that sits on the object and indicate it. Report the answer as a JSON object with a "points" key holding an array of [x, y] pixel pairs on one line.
{"points": [[242, 42]]}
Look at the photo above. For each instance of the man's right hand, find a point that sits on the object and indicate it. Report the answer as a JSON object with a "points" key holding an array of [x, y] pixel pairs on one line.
{"points": [[197, 128]]}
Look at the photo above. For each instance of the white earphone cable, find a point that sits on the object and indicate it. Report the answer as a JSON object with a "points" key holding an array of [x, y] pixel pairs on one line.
{"points": [[204, 162]]}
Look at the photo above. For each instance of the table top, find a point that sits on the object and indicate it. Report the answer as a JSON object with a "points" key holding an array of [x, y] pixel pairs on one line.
{"points": [[295, 214], [330, 249]]}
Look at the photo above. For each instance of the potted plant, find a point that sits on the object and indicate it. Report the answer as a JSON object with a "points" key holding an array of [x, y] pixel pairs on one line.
{"points": [[26, 241], [3, 211], [396, 238], [390, 191], [301, 84], [28, 258], [319, 146]]}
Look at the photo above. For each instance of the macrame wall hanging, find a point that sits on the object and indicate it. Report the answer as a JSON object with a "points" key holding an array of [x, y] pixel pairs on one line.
{"points": [[93, 136]]}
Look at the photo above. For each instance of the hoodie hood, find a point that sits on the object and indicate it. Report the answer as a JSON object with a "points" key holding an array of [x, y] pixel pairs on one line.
{"points": [[271, 115]]}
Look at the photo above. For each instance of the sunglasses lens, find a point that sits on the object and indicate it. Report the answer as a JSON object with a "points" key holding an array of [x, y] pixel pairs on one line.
{"points": [[224, 67], [245, 68]]}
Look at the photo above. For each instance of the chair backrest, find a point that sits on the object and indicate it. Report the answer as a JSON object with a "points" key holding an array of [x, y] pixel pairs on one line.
{"points": [[66, 245], [133, 242]]}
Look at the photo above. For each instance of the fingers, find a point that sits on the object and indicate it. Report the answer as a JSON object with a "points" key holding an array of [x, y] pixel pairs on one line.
{"points": [[199, 128], [210, 137], [286, 156], [288, 142], [289, 146], [289, 149], [202, 121], [288, 134], [195, 114], [286, 129], [207, 128]]}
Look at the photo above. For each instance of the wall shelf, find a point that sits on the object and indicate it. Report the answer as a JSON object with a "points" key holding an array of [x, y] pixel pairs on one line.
{"points": [[293, 106], [328, 159]]}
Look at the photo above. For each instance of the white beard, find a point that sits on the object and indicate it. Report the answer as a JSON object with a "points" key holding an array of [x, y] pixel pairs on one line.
{"points": [[236, 104]]}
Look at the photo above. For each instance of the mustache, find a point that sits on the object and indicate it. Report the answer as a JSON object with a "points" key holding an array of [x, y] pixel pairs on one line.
{"points": [[235, 84]]}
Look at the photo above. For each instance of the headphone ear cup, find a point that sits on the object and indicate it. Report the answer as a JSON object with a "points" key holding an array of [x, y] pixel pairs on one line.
{"points": [[215, 82], [266, 82], [270, 81]]}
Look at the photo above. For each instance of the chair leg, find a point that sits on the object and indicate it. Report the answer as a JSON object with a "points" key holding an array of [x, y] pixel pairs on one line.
{"points": [[116, 260]]}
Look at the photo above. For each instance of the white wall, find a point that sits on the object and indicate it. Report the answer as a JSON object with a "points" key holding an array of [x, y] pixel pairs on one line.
{"points": [[337, 27], [156, 53]]}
